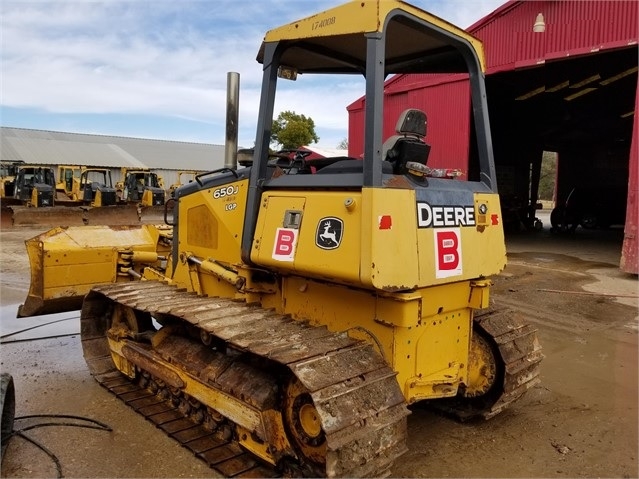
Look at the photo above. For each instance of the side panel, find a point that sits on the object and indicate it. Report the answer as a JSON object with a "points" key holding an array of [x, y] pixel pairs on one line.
{"points": [[390, 259], [326, 241], [458, 240], [389, 239], [210, 222]]}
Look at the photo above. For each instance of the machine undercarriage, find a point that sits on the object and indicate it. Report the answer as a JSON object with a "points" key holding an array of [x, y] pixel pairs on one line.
{"points": [[250, 391]]}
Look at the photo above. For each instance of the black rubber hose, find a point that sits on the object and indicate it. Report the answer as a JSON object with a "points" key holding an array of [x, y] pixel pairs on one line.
{"points": [[93, 424]]}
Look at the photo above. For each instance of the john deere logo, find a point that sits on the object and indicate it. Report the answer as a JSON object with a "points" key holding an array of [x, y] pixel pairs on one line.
{"points": [[329, 233]]}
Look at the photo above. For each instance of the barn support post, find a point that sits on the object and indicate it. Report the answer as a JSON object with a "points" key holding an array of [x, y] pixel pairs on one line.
{"points": [[629, 255]]}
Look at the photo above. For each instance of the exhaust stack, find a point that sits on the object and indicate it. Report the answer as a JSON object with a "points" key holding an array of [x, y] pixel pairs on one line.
{"points": [[232, 113]]}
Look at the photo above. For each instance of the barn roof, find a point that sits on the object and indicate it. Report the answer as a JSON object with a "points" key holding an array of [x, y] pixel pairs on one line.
{"points": [[55, 147]]}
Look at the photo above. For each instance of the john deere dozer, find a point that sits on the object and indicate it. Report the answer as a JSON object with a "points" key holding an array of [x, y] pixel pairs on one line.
{"points": [[290, 314], [83, 196]]}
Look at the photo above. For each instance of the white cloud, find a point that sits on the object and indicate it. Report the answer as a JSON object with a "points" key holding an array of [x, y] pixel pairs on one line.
{"points": [[163, 58]]}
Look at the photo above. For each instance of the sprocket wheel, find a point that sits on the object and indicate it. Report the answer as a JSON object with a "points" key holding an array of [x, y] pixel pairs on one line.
{"points": [[482, 367]]}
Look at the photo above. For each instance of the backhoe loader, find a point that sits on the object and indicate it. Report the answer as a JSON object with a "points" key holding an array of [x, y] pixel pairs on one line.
{"points": [[293, 310]]}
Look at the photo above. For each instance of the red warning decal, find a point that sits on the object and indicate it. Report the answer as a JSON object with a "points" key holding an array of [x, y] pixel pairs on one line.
{"points": [[385, 222]]}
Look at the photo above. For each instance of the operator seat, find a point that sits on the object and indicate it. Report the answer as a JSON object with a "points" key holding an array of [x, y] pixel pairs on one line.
{"points": [[408, 144]]}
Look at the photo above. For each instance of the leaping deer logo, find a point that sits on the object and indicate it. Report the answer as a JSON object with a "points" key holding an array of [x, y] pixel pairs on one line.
{"points": [[329, 233]]}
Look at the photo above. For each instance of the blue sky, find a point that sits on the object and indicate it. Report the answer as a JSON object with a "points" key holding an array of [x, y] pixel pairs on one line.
{"points": [[158, 69]]}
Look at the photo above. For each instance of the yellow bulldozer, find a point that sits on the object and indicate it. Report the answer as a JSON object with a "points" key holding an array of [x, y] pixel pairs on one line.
{"points": [[293, 311], [8, 172], [34, 186], [141, 186], [188, 175], [80, 185], [82, 196]]}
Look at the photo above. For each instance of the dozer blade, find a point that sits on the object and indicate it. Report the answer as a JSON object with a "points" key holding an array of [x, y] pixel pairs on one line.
{"points": [[66, 262], [74, 216], [113, 215], [152, 214]]}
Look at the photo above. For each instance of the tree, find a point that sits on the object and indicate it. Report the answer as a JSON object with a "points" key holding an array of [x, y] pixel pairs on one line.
{"points": [[343, 145], [548, 175], [291, 130]]}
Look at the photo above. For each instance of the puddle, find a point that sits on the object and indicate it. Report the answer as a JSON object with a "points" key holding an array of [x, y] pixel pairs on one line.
{"points": [[14, 329]]}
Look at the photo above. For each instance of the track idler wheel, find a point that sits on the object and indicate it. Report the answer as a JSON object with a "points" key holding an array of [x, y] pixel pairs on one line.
{"points": [[303, 424]]}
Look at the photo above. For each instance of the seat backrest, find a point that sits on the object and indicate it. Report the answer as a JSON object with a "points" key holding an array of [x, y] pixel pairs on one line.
{"points": [[408, 144], [411, 122]]}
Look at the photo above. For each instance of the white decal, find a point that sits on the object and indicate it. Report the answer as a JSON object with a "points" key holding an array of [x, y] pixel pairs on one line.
{"points": [[448, 252], [225, 191], [429, 216], [285, 242]]}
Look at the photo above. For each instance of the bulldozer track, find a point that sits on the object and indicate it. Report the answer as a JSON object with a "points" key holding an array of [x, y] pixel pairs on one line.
{"points": [[362, 410], [516, 345]]}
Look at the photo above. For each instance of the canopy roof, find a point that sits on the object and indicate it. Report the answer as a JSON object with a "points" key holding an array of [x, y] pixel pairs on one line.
{"points": [[334, 41]]}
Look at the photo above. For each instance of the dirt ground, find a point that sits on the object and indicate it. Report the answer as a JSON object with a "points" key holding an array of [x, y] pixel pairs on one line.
{"points": [[581, 421]]}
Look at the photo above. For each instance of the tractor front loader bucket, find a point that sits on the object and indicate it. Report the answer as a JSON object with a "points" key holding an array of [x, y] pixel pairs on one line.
{"points": [[66, 262]]}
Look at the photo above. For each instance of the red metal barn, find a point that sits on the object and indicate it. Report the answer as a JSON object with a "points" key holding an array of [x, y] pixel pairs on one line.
{"points": [[562, 77]]}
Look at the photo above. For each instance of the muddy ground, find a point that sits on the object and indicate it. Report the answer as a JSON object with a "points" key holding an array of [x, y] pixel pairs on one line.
{"points": [[581, 421]]}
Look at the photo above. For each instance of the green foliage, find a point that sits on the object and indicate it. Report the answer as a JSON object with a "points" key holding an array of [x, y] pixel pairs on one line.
{"points": [[548, 175], [291, 130]]}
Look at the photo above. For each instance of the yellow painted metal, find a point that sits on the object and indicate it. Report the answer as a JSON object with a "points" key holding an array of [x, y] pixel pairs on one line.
{"points": [[480, 294], [354, 18], [260, 448], [420, 323], [481, 367], [147, 198], [424, 335], [69, 180], [382, 246], [210, 224], [303, 420], [222, 273], [234, 409], [66, 262], [309, 419], [389, 253], [482, 251]]}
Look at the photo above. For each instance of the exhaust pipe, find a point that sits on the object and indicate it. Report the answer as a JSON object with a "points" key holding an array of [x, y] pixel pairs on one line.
{"points": [[232, 113]]}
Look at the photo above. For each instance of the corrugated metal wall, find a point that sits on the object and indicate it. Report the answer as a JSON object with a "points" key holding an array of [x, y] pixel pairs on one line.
{"points": [[572, 27], [447, 106]]}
